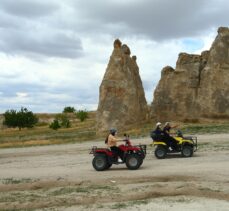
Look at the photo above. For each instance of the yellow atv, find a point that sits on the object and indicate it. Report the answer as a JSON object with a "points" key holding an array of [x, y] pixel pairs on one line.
{"points": [[185, 145]]}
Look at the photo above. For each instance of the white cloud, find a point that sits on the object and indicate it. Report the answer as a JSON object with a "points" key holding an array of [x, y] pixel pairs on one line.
{"points": [[21, 94], [57, 56]]}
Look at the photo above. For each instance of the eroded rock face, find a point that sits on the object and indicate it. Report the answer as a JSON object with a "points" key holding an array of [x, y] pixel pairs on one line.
{"points": [[122, 99], [198, 87]]}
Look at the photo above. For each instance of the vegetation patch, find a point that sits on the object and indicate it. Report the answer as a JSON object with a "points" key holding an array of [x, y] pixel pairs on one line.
{"points": [[86, 189], [68, 190], [124, 205], [58, 196], [212, 146], [7, 181], [208, 189], [119, 206], [206, 128]]}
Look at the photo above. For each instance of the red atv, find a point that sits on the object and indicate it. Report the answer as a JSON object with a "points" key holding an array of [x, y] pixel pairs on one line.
{"points": [[133, 156]]}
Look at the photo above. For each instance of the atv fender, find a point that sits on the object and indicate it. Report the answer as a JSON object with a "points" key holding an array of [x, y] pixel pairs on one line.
{"points": [[155, 143]]}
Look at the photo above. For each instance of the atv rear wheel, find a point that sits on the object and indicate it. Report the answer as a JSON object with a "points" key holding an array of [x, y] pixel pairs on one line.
{"points": [[133, 161], [141, 162], [108, 165], [160, 152], [187, 151], [100, 162]]}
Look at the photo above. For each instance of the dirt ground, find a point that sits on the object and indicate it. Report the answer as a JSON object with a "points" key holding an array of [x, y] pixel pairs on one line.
{"points": [[61, 177]]}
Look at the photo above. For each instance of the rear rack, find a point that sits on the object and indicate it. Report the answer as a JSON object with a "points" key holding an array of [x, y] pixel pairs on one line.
{"points": [[93, 150]]}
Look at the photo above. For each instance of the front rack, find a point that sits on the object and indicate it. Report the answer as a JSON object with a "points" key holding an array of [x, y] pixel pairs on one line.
{"points": [[93, 149], [194, 139], [143, 147]]}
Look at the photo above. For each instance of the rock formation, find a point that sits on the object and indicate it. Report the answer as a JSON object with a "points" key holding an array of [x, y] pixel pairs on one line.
{"points": [[122, 100], [198, 87]]}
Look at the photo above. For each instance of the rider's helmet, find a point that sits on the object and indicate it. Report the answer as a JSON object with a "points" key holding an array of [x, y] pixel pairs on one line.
{"points": [[113, 131], [158, 124], [167, 124]]}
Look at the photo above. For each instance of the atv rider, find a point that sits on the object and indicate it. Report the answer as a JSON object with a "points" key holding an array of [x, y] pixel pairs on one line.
{"points": [[157, 134], [169, 139], [111, 141]]}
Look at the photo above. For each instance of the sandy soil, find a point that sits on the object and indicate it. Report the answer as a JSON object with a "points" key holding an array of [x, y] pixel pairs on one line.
{"points": [[61, 177]]}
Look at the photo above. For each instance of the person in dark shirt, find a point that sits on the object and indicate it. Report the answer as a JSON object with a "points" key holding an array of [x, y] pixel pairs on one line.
{"points": [[157, 134], [158, 129], [170, 140]]}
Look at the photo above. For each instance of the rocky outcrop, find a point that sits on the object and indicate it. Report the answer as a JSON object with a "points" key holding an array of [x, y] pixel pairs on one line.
{"points": [[198, 87], [121, 99]]}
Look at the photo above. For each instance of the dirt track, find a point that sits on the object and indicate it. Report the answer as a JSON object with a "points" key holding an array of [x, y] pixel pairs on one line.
{"points": [[62, 177]]}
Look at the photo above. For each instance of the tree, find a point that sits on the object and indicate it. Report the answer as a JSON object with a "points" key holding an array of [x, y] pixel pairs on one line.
{"points": [[21, 119], [69, 109], [10, 118], [82, 115]]}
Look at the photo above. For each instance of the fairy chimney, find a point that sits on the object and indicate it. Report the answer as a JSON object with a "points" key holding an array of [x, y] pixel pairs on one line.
{"points": [[121, 98]]}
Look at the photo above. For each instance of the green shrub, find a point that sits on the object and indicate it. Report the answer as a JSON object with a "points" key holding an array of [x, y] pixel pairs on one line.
{"points": [[69, 109], [21, 119], [55, 125], [82, 115], [63, 120]]}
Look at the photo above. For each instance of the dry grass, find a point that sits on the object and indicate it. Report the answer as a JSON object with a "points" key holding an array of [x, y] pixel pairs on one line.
{"points": [[43, 135], [84, 131]]}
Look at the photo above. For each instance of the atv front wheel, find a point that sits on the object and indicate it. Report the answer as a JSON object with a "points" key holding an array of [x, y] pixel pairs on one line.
{"points": [[133, 161], [100, 162], [187, 151], [160, 152]]}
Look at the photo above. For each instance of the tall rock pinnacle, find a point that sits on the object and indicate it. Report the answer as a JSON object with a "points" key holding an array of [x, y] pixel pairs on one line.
{"points": [[122, 100]]}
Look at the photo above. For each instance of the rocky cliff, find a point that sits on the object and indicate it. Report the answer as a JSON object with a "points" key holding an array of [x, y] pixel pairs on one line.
{"points": [[121, 99], [198, 87]]}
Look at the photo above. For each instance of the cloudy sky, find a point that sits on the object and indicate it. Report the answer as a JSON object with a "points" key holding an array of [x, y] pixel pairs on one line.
{"points": [[54, 53]]}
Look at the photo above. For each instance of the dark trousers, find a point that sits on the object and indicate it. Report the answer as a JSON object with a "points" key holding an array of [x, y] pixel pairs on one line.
{"points": [[170, 141], [117, 151]]}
